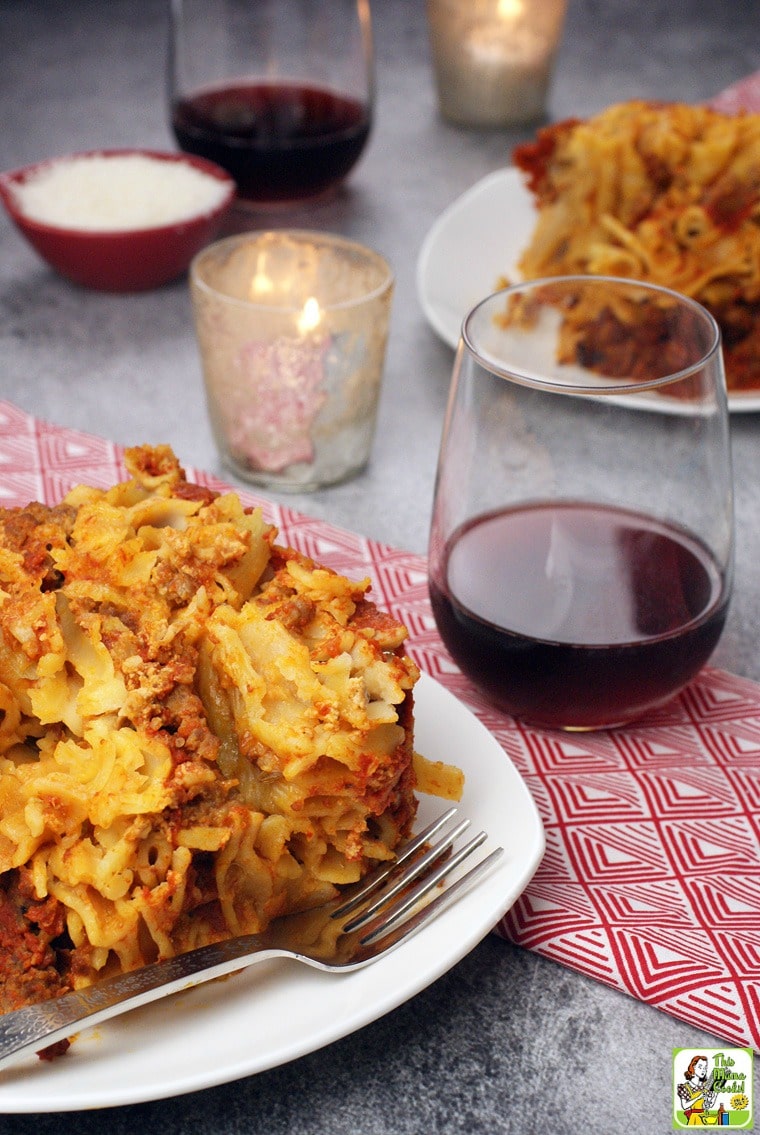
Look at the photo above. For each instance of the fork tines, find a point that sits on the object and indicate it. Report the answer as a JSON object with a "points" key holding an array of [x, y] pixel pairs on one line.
{"points": [[398, 889]]}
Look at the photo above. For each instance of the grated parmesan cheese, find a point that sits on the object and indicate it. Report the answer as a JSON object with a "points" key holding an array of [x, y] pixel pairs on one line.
{"points": [[109, 193]]}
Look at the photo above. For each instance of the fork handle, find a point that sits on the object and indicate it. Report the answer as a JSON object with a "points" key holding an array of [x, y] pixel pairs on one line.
{"points": [[37, 1026]]}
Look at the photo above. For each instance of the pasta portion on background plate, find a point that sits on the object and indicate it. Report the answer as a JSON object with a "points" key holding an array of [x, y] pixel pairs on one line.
{"points": [[662, 192]]}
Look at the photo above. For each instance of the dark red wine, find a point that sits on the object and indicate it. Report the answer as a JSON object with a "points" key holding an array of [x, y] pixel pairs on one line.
{"points": [[577, 615], [280, 141]]}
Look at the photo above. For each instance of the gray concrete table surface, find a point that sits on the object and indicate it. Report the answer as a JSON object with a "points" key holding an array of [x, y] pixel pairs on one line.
{"points": [[506, 1042]]}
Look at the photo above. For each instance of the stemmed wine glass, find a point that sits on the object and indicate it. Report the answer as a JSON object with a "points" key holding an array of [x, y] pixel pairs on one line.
{"points": [[581, 549], [280, 93]]}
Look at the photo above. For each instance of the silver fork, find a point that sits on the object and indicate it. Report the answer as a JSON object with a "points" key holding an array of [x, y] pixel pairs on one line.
{"points": [[385, 910]]}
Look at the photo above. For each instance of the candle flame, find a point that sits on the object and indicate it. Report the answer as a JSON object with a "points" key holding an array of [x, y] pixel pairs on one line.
{"points": [[310, 317], [510, 9], [261, 284]]}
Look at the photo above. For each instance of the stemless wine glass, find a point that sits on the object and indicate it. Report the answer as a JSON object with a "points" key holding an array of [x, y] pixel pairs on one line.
{"points": [[280, 93], [581, 549]]}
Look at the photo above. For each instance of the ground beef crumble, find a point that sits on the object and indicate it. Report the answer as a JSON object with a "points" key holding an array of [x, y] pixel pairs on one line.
{"points": [[31, 967]]}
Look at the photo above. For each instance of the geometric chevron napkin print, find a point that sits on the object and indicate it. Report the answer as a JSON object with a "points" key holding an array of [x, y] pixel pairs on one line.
{"points": [[651, 878]]}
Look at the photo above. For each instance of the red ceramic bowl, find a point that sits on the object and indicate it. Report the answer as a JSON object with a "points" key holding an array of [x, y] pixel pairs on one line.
{"points": [[120, 259]]}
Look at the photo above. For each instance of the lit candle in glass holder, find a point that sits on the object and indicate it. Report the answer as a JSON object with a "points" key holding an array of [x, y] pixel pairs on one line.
{"points": [[292, 329], [493, 59]]}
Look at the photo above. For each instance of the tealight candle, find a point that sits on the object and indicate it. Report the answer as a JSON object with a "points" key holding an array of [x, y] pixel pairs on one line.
{"points": [[493, 59], [292, 329]]}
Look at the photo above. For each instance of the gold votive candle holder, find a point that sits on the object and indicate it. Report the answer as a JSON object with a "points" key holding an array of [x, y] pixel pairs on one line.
{"points": [[493, 59], [292, 328]]}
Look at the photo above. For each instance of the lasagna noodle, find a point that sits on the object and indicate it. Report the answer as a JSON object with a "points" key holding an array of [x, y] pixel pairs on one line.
{"points": [[665, 193], [200, 729]]}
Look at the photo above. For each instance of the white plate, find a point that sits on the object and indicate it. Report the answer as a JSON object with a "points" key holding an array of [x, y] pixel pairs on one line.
{"points": [[279, 1010], [477, 240]]}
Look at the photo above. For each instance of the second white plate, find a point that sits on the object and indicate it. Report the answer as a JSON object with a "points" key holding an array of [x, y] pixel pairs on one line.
{"points": [[477, 240]]}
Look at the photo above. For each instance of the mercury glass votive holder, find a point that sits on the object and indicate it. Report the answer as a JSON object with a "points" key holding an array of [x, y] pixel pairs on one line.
{"points": [[493, 59], [292, 329]]}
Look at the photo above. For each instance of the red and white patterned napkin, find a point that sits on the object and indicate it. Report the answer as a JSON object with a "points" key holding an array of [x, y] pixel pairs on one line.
{"points": [[651, 878], [742, 95]]}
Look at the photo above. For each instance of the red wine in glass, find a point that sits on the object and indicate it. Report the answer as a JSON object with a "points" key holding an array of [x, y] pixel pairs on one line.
{"points": [[282, 142], [569, 613]]}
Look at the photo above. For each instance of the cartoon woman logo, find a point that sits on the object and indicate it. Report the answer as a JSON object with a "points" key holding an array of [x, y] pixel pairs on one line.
{"points": [[698, 1097]]}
